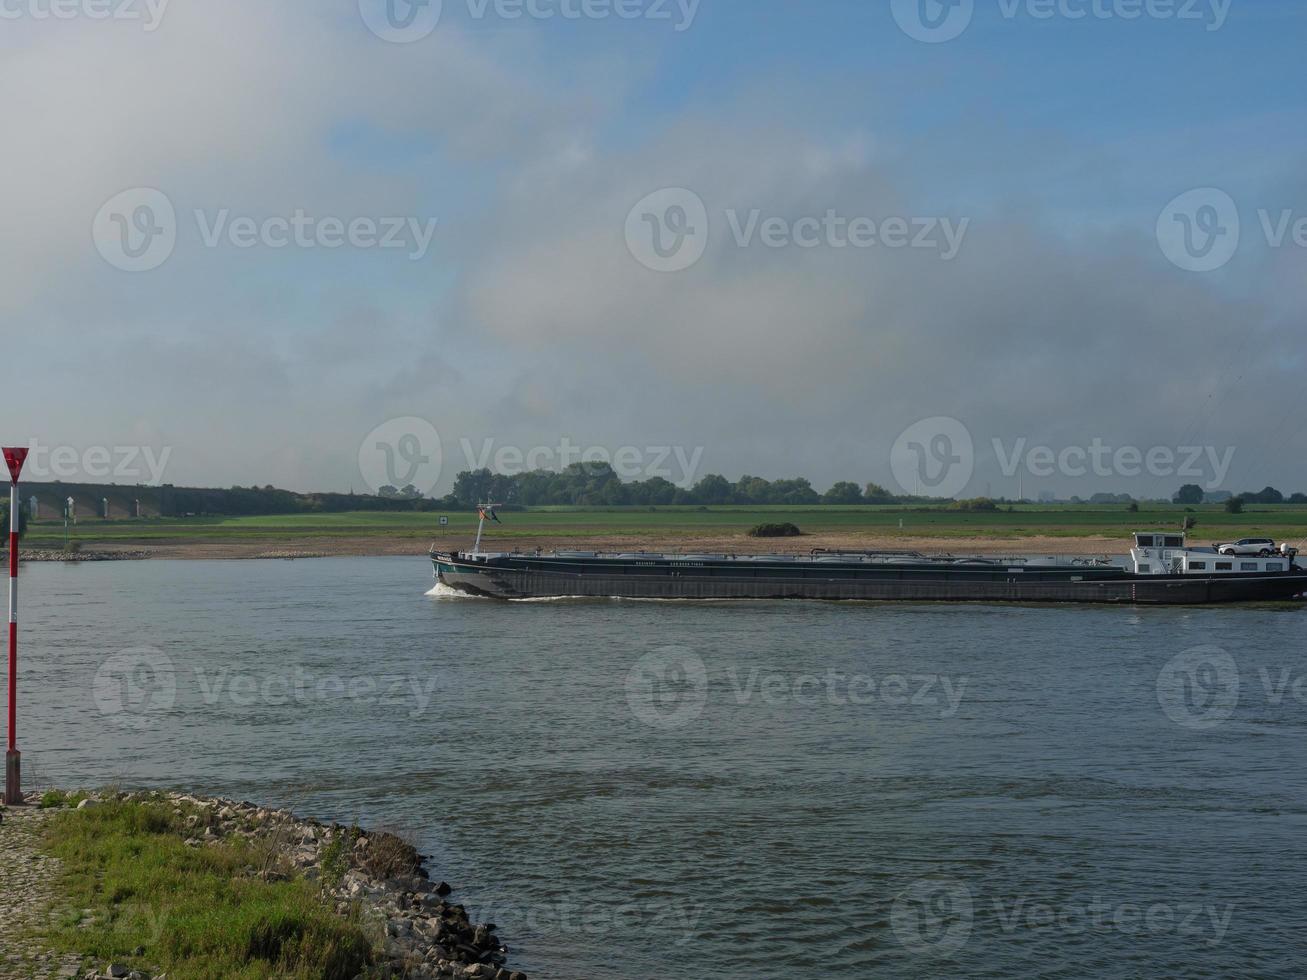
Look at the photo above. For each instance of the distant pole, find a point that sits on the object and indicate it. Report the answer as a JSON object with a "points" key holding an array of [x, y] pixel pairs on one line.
{"points": [[14, 459]]}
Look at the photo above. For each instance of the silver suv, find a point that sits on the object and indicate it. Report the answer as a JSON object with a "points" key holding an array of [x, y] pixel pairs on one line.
{"points": [[1247, 546]]}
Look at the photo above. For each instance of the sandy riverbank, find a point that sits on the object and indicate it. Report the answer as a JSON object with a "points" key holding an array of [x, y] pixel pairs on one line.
{"points": [[337, 546]]}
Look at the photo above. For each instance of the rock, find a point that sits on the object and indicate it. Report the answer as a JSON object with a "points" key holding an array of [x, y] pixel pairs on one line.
{"points": [[117, 970], [87, 803], [443, 889]]}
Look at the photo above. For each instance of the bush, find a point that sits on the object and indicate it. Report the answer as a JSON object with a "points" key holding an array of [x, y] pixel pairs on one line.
{"points": [[978, 504], [786, 530], [1234, 505]]}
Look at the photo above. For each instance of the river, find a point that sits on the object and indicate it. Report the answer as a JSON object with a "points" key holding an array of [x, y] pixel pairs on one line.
{"points": [[762, 790]]}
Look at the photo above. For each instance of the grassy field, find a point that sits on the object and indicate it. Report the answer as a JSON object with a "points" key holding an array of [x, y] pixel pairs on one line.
{"points": [[673, 524], [134, 893]]}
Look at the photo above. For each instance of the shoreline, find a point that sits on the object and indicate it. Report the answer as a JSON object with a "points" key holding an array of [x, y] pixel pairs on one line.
{"points": [[345, 546], [369, 878]]}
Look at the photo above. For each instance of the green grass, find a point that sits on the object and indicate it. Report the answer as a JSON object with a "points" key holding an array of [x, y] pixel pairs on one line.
{"points": [[191, 911], [56, 797], [1284, 522]]}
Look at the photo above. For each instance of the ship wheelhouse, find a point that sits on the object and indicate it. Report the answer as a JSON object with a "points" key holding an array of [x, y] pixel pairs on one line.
{"points": [[1168, 553]]}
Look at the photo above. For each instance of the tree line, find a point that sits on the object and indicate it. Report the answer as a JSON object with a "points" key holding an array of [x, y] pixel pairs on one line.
{"points": [[1192, 493], [597, 484]]}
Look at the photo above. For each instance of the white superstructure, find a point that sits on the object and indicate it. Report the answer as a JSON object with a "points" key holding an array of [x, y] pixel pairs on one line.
{"points": [[1166, 553]]}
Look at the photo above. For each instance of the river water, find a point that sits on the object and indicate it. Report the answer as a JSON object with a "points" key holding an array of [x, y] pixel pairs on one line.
{"points": [[638, 790]]}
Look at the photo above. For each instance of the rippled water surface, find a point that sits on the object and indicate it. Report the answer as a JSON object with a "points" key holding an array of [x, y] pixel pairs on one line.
{"points": [[765, 790]]}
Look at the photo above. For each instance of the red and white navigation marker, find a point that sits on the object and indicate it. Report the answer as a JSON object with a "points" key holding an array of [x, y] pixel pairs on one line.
{"points": [[14, 459]]}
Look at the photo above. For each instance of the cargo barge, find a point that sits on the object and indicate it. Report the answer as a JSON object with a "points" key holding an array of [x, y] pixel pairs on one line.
{"points": [[1162, 569]]}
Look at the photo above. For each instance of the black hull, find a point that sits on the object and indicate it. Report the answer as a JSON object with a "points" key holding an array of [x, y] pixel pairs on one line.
{"points": [[513, 577]]}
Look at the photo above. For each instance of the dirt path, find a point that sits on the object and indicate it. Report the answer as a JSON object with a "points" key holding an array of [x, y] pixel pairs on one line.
{"points": [[26, 891]]}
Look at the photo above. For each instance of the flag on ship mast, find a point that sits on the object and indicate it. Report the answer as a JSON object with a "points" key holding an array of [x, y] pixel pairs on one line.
{"points": [[488, 514]]}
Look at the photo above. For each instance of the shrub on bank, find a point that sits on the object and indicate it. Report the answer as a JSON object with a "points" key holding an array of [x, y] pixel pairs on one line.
{"points": [[978, 504], [785, 530]]}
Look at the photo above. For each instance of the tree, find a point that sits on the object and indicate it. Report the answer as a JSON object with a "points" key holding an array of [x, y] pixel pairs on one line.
{"points": [[1234, 505], [712, 489], [389, 492], [472, 487], [843, 492], [751, 490], [1190, 493], [656, 490], [797, 491], [876, 494], [1267, 495]]}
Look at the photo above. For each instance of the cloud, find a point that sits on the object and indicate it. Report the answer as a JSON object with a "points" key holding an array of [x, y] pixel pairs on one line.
{"points": [[1057, 322]]}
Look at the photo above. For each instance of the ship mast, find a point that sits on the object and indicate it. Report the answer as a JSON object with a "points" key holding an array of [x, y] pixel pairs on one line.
{"points": [[483, 510]]}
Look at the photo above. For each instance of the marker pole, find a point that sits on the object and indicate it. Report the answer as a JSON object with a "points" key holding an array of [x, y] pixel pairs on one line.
{"points": [[13, 759]]}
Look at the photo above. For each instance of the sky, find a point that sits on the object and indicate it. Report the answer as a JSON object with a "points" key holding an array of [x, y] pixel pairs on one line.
{"points": [[977, 247]]}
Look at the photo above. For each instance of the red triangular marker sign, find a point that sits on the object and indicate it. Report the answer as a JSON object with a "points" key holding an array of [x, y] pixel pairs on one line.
{"points": [[14, 459]]}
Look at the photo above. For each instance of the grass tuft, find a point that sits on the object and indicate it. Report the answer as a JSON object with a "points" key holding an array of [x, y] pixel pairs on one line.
{"points": [[52, 798]]}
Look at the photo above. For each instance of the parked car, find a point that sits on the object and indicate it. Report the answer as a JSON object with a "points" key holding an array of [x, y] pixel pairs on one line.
{"points": [[1247, 546]]}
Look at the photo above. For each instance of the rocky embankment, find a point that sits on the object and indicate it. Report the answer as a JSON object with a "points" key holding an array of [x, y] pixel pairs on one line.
{"points": [[425, 935], [26, 555]]}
